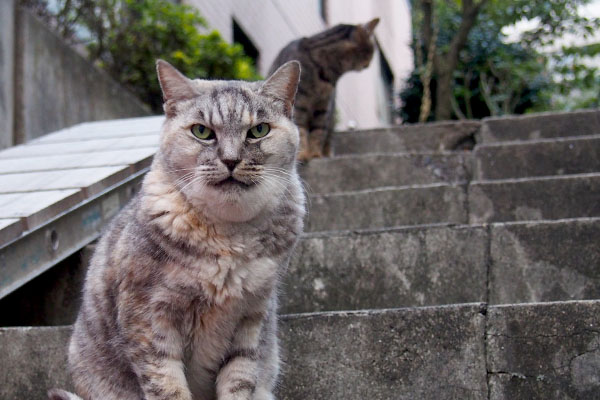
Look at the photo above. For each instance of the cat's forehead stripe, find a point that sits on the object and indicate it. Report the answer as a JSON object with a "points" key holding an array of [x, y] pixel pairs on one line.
{"points": [[232, 105]]}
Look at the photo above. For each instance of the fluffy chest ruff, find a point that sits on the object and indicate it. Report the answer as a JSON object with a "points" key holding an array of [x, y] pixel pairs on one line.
{"points": [[225, 260]]}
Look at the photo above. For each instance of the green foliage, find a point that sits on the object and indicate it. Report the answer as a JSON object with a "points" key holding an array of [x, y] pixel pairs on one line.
{"points": [[127, 36], [494, 77], [497, 78], [577, 79]]}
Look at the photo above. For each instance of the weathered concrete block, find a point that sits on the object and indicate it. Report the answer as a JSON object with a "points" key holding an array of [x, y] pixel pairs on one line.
{"points": [[387, 207], [543, 125], [33, 361], [538, 158], [394, 268], [418, 137], [549, 261], [571, 196], [544, 351], [429, 353], [376, 355], [7, 69], [345, 173]]}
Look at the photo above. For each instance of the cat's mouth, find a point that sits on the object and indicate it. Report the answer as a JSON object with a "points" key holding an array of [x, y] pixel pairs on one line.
{"points": [[231, 182]]}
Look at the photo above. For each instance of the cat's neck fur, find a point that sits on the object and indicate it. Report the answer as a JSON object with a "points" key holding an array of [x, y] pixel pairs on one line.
{"points": [[328, 57]]}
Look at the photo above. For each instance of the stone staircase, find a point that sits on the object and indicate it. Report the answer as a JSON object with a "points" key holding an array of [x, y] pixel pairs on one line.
{"points": [[429, 269]]}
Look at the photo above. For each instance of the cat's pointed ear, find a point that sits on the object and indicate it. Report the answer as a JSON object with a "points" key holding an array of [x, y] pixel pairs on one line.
{"points": [[174, 85], [369, 27], [283, 84]]}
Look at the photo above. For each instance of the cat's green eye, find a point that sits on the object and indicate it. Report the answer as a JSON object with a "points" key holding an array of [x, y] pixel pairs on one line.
{"points": [[202, 132], [259, 131]]}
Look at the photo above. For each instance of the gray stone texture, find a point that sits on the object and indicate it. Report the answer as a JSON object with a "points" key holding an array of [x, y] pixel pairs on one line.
{"points": [[549, 261], [59, 88], [7, 47], [33, 361], [427, 353], [376, 355], [387, 207], [544, 351], [543, 125], [572, 196], [418, 137], [346, 173], [395, 268], [537, 158], [527, 351]]}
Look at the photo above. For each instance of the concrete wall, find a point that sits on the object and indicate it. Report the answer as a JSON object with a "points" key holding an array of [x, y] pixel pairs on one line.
{"points": [[52, 86], [7, 16], [271, 24]]}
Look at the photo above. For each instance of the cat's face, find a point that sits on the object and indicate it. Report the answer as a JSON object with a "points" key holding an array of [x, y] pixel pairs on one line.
{"points": [[357, 50], [229, 146], [361, 46]]}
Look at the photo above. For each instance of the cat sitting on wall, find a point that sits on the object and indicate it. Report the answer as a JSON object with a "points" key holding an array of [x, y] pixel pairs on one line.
{"points": [[325, 57]]}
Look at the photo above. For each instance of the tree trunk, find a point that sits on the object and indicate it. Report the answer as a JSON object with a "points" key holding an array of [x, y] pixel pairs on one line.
{"points": [[426, 77], [443, 105], [445, 63]]}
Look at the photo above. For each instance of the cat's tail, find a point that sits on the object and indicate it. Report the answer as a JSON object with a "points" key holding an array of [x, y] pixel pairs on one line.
{"points": [[59, 394]]}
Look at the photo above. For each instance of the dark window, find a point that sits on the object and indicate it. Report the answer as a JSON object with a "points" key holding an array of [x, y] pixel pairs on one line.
{"points": [[387, 80], [323, 9], [239, 36]]}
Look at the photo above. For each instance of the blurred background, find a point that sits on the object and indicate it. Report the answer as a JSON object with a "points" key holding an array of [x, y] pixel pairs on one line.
{"points": [[435, 59]]}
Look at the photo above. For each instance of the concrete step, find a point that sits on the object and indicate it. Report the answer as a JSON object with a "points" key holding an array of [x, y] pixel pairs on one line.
{"points": [[540, 198], [441, 136], [536, 126], [444, 136], [414, 266], [532, 351], [500, 263], [570, 196], [544, 261], [434, 265], [369, 171], [386, 207], [544, 351], [543, 157], [502, 160]]}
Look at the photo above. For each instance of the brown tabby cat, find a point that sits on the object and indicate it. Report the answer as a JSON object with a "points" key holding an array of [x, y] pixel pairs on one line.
{"points": [[180, 299], [325, 57]]}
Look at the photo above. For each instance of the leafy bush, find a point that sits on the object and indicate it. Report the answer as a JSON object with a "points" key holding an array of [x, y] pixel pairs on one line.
{"points": [[125, 37]]}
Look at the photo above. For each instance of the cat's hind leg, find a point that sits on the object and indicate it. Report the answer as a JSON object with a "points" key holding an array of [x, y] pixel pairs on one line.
{"points": [[304, 153], [316, 143]]}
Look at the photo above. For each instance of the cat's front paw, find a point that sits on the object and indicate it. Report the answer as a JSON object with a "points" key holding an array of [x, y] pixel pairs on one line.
{"points": [[263, 394]]}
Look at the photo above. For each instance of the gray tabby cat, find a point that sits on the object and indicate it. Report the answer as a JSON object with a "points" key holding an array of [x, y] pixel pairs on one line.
{"points": [[180, 299], [325, 57]]}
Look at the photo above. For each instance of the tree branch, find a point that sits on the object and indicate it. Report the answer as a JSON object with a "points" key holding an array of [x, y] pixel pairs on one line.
{"points": [[470, 10]]}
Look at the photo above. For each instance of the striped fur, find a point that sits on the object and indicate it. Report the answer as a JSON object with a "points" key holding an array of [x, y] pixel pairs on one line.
{"points": [[180, 299], [325, 57]]}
